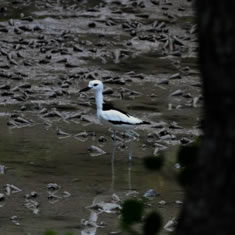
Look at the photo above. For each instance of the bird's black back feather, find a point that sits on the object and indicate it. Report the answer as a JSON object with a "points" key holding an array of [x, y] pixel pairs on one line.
{"points": [[107, 107]]}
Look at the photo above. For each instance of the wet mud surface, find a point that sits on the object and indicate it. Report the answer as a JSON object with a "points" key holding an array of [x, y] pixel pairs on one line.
{"points": [[51, 175]]}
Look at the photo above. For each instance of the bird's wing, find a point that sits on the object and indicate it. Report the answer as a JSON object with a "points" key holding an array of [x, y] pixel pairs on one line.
{"points": [[116, 117], [108, 106]]}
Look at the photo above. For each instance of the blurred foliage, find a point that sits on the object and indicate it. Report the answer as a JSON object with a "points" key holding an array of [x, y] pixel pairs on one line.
{"points": [[132, 212], [152, 224], [154, 163], [50, 232]]}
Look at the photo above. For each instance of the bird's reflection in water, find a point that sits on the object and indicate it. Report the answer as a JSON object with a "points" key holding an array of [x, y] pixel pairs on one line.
{"points": [[106, 203], [129, 167]]}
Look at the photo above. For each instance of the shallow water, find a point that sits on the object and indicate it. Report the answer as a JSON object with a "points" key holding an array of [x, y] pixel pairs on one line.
{"points": [[41, 110], [35, 157]]}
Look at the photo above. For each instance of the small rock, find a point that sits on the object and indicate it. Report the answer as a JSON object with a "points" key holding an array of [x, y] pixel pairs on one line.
{"points": [[108, 91], [82, 136], [14, 219], [156, 151], [159, 124], [43, 111], [66, 194], [195, 101], [151, 193], [175, 76], [162, 132], [92, 25], [178, 202], [53, 186], [163, 81], [177, 166], [102, 139], [150, 137], [33, 194], [132, 193], [115, 232], [116, 198], [21, 120], [162, 202], [170, 106], [32, 205], [2, 169], [95, 151], [187, 95], [174, 125], [177, 93], [59, 132], [106, 207], [170, 225], [185, 140], [160, 146], [11, 189], [2, 197], [76, 48]]}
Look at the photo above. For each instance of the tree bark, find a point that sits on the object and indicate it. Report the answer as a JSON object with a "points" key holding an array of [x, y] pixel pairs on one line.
{"points": [[210, 199]]}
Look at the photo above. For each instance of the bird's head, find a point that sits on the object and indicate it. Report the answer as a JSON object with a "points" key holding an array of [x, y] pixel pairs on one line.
{"points": [[95, 85]]}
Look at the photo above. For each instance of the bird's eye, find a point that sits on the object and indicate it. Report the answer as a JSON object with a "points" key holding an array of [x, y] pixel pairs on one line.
{"points": [[95, 84]]}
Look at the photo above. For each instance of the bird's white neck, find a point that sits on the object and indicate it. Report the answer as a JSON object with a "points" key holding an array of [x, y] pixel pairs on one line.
{"points": [[99, 101]]}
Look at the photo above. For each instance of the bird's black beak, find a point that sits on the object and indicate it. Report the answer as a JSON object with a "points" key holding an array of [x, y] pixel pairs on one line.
{"points": [[85, 89]]}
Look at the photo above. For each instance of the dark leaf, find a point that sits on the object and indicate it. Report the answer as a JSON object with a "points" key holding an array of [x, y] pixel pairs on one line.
{"points": [[50, 232], [152, 224], [154, 163], [132, 212]]}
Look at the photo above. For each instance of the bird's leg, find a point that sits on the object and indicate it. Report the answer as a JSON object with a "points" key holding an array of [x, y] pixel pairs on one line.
{"points": [[114, 145], [113, 158], [129, 178], [113, 175], [131, 134]]}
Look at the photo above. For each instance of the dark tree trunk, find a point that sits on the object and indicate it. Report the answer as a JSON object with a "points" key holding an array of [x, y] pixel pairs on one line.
{"points": [[210, 199]]}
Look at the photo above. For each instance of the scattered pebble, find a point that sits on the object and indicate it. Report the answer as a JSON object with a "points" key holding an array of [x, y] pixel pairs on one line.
{"points": [[14, 219], [115, 198], [170, 225], [32, 205], [2, 169], [175, 76], [2, 200], [162, 202], [175, 125], [11, 189], [177, 166], [106, 207], [185, 140], [178, 202], [31, 195], [61, 133], [95, 151], [53, 186], [177, 93], [151, 194]]}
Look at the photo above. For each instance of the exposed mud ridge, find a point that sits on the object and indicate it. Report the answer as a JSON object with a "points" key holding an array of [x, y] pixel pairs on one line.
{"points": [[55, 157]]}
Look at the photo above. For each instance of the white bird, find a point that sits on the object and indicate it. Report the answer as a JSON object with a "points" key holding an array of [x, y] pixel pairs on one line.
{"points": [[111, 116]]}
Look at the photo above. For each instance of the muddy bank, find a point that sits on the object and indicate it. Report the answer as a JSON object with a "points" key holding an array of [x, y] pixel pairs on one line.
{"points": [[145, 53]]}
